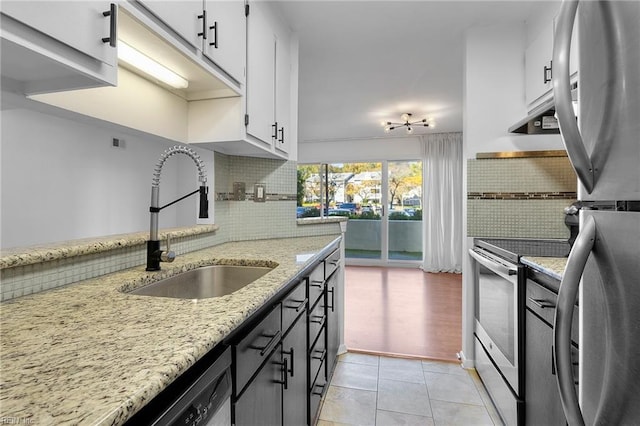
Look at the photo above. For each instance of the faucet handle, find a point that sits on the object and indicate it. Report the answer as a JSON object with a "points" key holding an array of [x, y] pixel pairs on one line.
{"points": [[168, 255]]}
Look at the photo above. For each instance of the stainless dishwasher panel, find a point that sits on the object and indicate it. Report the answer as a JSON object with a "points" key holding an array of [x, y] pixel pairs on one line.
{"points": [[206, 401]]}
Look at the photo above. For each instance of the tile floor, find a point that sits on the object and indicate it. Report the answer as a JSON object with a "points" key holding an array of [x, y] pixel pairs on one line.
{"points": [[380, 391]]}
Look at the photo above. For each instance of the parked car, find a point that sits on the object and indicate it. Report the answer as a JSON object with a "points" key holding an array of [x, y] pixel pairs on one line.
{"points": [[352, 207], [300, 211], [339, 212]]}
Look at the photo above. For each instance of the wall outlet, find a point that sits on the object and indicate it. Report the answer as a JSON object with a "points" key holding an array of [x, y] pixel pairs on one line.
{"points": [[239, 191]]}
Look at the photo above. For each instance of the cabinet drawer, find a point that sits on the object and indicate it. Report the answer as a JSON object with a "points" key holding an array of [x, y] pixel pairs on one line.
{"points": [[316, 285], [316, 392], [542, 302], [293, 305], [256, 347], [331, 263], [317, 356], [317, 321]]}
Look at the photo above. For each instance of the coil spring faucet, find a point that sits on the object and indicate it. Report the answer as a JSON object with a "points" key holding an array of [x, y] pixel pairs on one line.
{"points": [[154, 254]]}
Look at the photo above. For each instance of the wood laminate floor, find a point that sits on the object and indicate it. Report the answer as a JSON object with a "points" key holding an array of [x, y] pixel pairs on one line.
{"points": [[403, 312]]}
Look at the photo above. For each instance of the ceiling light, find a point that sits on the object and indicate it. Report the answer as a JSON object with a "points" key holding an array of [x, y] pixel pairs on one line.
{"points": [[406, 123], [141, 62]]}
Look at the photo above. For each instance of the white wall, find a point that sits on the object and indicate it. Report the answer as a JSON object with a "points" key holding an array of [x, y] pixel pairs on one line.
{"points": [[494, 99], [61, 179], [401, 148]]}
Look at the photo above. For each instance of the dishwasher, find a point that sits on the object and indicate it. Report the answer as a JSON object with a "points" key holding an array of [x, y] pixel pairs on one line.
{"points": [[201, 396]]}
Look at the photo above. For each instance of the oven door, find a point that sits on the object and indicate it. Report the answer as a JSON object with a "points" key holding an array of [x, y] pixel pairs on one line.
{"points": [[497, 312]]}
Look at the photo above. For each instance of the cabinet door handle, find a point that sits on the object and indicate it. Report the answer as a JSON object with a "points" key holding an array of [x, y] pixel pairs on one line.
{"points": [[281, 139], [112, 13], [290, 352], [321, 389], [274, 135], [299, 307], [542, 303], [214, 27], [267, 348], [548, 73], [283, 371], [203, 34], [331, 290], [318, 284], [323, 355]]}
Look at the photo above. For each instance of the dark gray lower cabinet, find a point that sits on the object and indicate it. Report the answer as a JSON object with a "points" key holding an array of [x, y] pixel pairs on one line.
{"points": [[542, 399], [261, 401], [333, 338], [294, 354]]}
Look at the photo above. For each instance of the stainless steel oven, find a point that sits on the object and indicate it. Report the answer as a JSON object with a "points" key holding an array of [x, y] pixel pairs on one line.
{"points": [[499, 286]]}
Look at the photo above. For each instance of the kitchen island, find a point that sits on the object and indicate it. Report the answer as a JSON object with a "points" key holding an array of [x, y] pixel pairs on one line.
{"points": [[89, 353]]}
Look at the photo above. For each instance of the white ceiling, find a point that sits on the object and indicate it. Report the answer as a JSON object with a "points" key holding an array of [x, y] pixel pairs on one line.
{"points": [[362, 62]]}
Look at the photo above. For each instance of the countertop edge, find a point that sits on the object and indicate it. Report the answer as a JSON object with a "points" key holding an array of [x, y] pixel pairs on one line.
{"points": [[22, 256], [547, 265]]}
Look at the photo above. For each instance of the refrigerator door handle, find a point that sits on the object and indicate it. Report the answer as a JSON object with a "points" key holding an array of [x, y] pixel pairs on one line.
{"points": [[562, 96], [564, 317]]}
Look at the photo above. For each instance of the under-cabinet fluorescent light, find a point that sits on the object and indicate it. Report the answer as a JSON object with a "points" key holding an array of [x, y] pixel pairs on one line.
{"points": [[140, 61]]}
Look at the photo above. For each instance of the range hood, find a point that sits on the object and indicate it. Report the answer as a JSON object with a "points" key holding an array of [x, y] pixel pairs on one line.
{"points": [[542, 120]]}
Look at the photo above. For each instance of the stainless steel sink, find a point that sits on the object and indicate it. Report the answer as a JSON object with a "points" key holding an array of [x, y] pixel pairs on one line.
{"points": [[204, 282]]}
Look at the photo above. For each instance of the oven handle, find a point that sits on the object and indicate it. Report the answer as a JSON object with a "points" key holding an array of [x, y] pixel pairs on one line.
{"points": [[494, 266], [564, 317]]}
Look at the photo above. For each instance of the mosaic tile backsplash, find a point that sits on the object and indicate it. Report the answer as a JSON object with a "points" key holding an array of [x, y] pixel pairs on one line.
{"points": [[237, 221], [519, 197]]}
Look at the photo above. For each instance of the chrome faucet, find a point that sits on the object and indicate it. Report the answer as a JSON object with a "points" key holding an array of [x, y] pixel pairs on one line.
{"points": [[154, 254]]}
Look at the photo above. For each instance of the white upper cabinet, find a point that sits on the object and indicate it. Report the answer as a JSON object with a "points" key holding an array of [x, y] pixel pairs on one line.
{"points": [[539, 66], [54, 46], [226, 43], [261, 74], [269, 78], [216, 28], [184, 17], [283, 90]]}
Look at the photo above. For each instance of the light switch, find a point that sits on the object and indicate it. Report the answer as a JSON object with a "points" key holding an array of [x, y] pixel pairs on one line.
{"points": [[259, 193]]}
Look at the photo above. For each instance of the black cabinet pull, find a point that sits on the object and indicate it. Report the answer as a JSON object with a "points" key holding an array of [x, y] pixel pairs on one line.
{"points": [[112, 13], [203, 34], [318, 284], [321, 389], [318, 320], [285, 376], [290, 353], [214, 27], [274, 135], [331, 290], [548, 73], [267, 348], [299, 307], [281, 139], [323, 355], [542, 304]]}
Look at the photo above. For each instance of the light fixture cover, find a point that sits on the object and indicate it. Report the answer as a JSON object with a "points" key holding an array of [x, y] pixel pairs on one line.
{"points": [[141, 62]]}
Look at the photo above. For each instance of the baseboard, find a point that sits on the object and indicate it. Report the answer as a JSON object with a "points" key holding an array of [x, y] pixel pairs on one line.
{"points": [[466, 363]]}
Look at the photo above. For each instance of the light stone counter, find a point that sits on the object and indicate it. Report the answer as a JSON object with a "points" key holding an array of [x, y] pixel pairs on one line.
{"points": [[552, 266], [89, 354]]}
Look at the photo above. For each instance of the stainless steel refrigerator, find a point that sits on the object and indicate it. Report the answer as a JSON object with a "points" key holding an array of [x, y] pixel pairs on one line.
{"points": [[603, 269]]}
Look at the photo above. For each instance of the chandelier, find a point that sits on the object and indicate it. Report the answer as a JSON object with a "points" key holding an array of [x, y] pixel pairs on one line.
{"points": [[406, 122]]}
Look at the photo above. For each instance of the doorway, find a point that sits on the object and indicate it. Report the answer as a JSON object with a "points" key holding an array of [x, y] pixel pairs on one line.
{"points": [[383, 201]]}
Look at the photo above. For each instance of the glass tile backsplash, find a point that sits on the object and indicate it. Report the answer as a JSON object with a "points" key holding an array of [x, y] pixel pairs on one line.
{"points": [[519, 197]]}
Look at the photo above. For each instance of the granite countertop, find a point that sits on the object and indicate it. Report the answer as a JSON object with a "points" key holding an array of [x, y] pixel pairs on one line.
{"points": [[89, 354], [552, 266]]}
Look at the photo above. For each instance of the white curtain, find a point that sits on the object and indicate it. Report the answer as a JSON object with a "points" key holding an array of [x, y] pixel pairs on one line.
{"points": [[442, 213]]}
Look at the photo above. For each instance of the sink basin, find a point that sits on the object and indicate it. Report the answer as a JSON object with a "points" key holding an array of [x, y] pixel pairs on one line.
{"points": [[204, 282]]}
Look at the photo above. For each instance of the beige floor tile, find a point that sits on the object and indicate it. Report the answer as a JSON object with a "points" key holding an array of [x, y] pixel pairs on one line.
{"points": [[410, 375], [454, 414], [400, 363], [403, 397], [355, 376], [391, 418], [350, 406], [357, 358], [443, 367], [452, 388]]}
